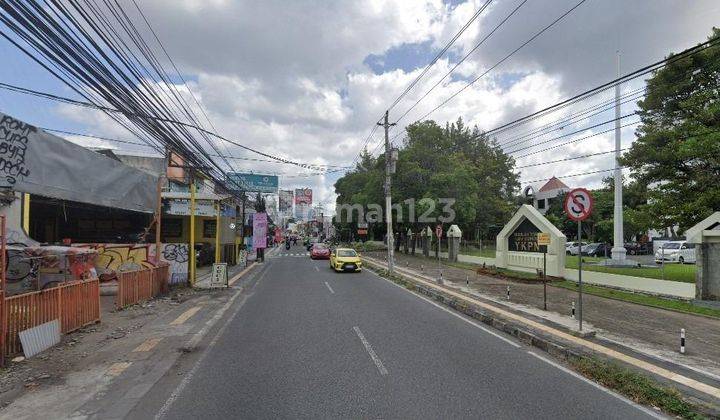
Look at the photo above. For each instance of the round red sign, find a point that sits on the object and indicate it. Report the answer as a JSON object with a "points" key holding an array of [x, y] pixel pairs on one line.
{"points": [[578, 204]]}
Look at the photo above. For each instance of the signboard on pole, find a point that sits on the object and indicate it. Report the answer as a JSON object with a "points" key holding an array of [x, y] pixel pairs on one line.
{"points": [[253, 182], [219, 275], [286, 201], [438, 231], [578, 204], [303, 196], [543, 239], [260, 230]]}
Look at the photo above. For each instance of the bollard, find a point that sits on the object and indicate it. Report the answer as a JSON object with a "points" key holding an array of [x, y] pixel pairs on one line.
{"points": [[682, 340], [508, 293], [573, 310], [407, 263], [422, 268], [467, 280], [440, 280]]}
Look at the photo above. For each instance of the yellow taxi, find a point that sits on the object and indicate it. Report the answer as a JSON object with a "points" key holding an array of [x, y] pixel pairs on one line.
{"points": [[345, 259]]}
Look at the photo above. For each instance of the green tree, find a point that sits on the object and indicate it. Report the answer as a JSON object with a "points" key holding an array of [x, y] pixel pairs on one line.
{"points": [[435, 162], [677, 153]]}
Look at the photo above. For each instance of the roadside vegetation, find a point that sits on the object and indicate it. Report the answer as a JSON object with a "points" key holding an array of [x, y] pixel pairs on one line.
{"points": [[673, 272], [636, 386]]}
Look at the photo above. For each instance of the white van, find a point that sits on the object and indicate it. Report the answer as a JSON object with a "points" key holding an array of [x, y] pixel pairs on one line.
{"points": [[676, 252]]}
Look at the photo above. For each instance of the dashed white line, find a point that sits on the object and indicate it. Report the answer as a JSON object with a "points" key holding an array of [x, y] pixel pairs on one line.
{"points": [[371, 352], [329, 288], [317, 269]]}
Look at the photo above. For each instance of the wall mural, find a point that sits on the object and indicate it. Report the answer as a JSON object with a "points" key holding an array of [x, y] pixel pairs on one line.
{"points": [[31, 268], [114, 258], [40, 267]]}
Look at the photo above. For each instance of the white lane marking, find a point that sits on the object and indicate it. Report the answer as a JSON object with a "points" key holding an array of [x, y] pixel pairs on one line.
{"points": [[186, 380], [453, 313], [371, 352], [646, 410], [329, 288], [317, 269]]}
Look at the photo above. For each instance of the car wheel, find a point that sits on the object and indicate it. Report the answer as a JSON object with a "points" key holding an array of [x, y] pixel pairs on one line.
{"points": [[681, 260]]}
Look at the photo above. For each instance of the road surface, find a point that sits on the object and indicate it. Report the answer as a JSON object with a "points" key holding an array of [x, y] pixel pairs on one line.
{"points": [[311, 343]]}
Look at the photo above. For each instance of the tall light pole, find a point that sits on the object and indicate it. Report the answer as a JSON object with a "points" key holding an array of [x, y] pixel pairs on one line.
{"points": [[618, 249], [389, 170]]}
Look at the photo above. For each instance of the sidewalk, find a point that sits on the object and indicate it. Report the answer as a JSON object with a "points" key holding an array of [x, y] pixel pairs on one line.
{"points": [[644, 329]]}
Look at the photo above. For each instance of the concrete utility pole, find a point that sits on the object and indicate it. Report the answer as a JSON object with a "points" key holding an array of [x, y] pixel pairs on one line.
{"points": [[389, 170], [618, 249]]}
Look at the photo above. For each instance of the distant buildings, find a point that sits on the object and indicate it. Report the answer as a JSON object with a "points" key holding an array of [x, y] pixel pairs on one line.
{"points": [[553, 190]]}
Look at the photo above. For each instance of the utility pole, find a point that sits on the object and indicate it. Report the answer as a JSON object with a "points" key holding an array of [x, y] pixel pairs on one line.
{"points": [[618, 249], [389, 170]]}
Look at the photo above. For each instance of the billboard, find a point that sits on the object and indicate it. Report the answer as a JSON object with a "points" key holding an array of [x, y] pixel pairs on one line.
{"points": [[286, 201], [303, 196], [302, 211], [253, 182], [260, 230]]}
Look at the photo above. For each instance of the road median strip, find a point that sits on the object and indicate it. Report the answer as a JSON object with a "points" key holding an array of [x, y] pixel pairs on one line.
{"points": [[498, 318]]}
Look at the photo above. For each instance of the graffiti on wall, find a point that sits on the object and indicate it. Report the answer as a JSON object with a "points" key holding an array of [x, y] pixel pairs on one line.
{"points": [[13, 144], [36, 268], [115, 258], [177, 256]]}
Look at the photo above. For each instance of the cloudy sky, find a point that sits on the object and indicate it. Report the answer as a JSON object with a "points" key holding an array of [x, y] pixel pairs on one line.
{"points": [[307, 80]]}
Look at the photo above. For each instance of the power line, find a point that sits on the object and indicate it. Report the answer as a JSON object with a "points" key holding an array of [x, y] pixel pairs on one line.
{"points": [[569, 176], [629, 76], [482, 41], [440, 54], [570, 158], [543, 30]]}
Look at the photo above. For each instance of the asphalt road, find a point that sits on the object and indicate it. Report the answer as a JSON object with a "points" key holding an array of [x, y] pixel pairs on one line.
{"points": [[312, 343]]}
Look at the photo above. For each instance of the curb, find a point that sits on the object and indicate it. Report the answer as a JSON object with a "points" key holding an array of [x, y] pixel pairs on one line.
{"points": [[555, 342]]}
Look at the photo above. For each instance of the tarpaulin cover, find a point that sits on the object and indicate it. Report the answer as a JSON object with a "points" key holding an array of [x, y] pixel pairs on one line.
{"points": [[36, 162]]}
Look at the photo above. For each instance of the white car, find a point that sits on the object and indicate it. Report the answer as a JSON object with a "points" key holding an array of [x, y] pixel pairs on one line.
{"points": [[571, 248], [675, 252]]}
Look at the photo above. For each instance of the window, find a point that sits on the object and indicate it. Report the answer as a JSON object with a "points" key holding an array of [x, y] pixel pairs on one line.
{"points": [[541, 204]]}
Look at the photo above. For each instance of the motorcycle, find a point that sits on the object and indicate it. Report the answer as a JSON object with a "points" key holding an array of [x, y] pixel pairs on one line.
{"points": [[287, 245]]}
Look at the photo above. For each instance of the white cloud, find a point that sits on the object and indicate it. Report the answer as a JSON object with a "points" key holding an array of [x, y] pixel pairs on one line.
{"points": [[288, 77]]}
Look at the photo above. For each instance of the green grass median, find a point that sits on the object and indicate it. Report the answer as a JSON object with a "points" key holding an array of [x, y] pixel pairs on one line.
{"points": [[673, 272]]}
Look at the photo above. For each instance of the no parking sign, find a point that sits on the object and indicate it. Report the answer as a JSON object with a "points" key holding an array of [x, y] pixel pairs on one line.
{"points": [[578, 204]]}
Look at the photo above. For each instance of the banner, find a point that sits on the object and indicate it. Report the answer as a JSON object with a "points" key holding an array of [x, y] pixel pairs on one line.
{"points": [[36, 162], [181, 207], [303, 196], [253, 182], [286, 201], [260, 230], [302, 211]]}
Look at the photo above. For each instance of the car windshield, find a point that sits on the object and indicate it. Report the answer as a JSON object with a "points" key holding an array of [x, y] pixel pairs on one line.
{"points": [[319, 246], [346, 253], [672, 245]]}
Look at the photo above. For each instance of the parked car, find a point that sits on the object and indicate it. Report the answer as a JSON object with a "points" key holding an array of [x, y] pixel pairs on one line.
{"points": [[637, 248], [676, 252], [320, 251], [597, 249], [571, 248]]}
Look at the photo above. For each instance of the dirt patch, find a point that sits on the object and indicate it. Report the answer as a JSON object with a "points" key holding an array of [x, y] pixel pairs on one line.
{"points": [[82, 348]]}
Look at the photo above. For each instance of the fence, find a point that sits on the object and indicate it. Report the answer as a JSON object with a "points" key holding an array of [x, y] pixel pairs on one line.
{"points": [[75, 304], [141, 285]]}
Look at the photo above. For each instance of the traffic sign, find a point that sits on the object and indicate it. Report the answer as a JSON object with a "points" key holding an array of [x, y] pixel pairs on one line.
{"points": [[543, 238], [578, 204], [438, 231]]}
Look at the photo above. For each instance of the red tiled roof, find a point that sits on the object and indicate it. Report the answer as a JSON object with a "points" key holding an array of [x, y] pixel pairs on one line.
{"points": [[553, 184]]}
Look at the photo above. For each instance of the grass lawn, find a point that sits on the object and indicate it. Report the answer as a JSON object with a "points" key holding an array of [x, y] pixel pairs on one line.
{"points": [[486, 252], [656, 302], [675, 272]]}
